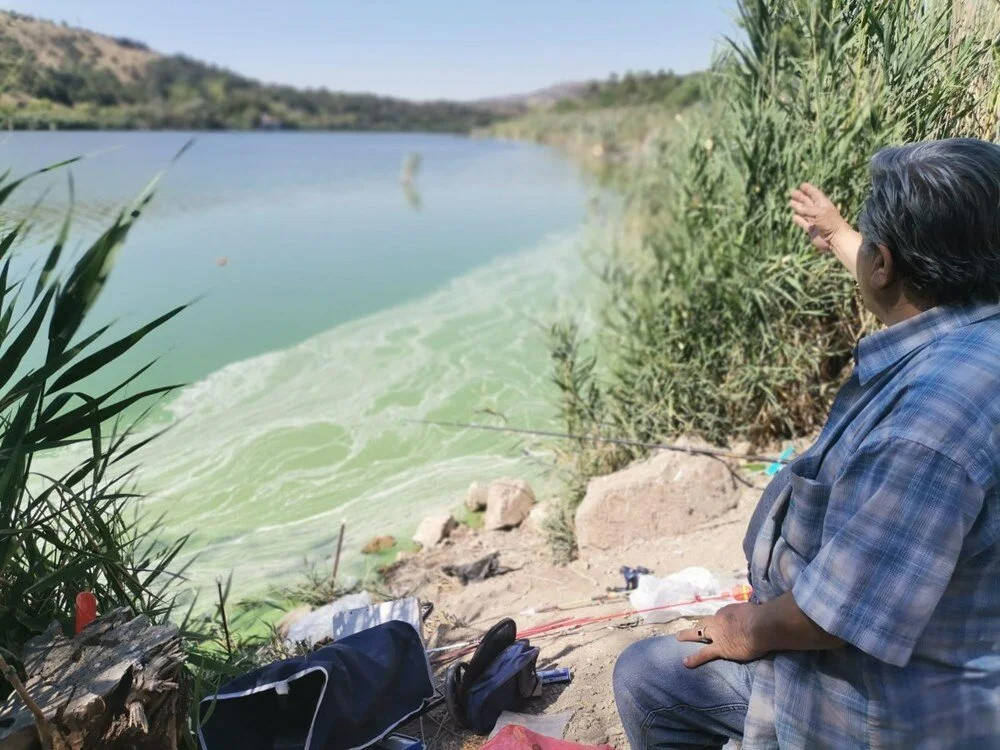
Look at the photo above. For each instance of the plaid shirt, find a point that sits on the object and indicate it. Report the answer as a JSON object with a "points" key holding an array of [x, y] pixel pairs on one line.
{"points": [[886, 532]]}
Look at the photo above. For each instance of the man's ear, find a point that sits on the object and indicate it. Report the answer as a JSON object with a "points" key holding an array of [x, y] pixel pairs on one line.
{"points": [[883, 270]]}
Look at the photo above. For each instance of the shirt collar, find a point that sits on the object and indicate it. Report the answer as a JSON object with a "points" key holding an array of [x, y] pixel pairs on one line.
{"points": [[878, 351]]}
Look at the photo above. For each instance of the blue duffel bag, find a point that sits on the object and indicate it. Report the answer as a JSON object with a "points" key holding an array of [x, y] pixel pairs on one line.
{"points": [[344, 696]]}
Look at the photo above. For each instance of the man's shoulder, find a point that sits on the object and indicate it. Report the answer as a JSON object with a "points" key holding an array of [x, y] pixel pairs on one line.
{"points": [[966, 360], [949, 399]]}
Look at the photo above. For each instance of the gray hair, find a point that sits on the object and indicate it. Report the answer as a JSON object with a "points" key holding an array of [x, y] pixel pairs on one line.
{"points": [[936, 206]]}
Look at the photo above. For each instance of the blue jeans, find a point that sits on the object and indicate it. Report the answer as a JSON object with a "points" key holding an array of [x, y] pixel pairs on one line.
{"points": [[663, 704]]}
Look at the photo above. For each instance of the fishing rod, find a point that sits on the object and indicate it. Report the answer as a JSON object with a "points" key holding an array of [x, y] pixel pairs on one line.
{"points": [[741, 592], [718, 453]]}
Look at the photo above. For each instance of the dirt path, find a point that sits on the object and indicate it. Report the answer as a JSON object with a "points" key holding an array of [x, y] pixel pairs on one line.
{"points": [[465, 612]]}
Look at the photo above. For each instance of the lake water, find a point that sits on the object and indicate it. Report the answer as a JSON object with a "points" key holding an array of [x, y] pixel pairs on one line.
{"points": [[331, 305]]}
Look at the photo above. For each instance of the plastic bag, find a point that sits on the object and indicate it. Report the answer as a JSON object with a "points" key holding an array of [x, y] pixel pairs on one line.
{"points": [[550, 725], [515, 737], [680, 587]]}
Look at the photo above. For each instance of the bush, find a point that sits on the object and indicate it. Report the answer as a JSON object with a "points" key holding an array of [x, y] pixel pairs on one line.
{"points": [[60, 535], [723, 321]]}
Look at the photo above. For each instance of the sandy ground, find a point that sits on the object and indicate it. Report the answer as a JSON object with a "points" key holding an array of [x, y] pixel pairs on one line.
{"points": [[465, 612]]}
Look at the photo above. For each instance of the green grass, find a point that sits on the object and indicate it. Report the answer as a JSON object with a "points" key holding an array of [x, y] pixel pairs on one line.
{"points": [[474, 519], [722, 320]]}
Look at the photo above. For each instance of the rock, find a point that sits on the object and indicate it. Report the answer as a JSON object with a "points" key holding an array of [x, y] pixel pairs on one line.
{"points": [[475, 498], [433, 529], [508, 503], [379, 544], [290, 618], [661, 497]]}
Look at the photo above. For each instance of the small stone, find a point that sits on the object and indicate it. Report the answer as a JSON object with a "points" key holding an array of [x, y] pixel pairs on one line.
{"points": [[378, 544], [508, 503], [475, 498], [592, 735], [434, 529]]}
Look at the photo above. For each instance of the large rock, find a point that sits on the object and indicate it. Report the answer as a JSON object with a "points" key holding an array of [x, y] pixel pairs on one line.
{"points": [[475, 498], [508, 503], [434, 529], [658, 498]]}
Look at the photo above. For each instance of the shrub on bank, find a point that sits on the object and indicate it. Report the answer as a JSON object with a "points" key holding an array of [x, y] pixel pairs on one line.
{"points": [[723, 321]]}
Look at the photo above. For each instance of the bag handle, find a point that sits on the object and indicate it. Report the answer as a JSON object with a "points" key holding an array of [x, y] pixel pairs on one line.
{"points": [[493, 643]]}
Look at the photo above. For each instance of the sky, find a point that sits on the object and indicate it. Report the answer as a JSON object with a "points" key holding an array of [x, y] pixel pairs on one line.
{"points": [[417, 49]]}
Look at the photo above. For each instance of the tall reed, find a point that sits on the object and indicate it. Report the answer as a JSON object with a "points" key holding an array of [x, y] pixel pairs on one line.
{"points": [[723, 321], [77, 531]]}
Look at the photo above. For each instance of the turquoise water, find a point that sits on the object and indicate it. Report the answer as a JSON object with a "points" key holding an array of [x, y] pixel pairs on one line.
{"points": [[332, 305]]}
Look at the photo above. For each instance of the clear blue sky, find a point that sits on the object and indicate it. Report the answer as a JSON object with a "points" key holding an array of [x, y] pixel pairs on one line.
{"points": [[420, 49]]}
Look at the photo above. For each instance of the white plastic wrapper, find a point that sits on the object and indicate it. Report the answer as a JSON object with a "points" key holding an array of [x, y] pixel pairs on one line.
{"points": [[682, 586], [318, 624]]}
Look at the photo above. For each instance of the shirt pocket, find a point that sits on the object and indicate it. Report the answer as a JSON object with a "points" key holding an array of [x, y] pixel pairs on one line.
{"points": [[764, 547], [802, 525], [791, 535], [800, 533]]}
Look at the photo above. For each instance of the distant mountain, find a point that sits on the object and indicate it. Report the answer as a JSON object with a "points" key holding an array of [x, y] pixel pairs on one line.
{"points": [[57, 76], [664, 87], [540, 99]]}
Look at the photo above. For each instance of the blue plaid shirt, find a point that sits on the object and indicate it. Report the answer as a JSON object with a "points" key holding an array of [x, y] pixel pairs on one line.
{"points": [[886, 533]]}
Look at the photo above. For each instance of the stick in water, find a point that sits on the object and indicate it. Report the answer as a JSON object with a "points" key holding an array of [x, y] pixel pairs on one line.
{"points": [[336, 557]]}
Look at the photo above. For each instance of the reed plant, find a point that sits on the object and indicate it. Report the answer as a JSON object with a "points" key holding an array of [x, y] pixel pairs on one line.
{"points": [[722, 320], [76, 531]]}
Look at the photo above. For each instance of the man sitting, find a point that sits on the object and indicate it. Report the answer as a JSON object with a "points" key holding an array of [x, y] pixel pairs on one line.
{"points": [[874, 556]]}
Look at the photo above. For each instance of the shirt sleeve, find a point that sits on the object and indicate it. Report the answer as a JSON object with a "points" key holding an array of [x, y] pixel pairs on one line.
{"points": [[901, 511]]}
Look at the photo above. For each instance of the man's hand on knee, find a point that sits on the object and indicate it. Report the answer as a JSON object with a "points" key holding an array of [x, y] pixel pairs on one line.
{"points": [[745, 632], [730, 635]]}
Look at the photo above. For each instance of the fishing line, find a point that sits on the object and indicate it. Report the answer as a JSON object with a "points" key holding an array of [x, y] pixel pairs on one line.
{"points": [[613, 441]]}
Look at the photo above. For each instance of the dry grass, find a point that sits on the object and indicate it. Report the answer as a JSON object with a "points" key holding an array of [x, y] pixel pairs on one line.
{"points": [[58, 47]]}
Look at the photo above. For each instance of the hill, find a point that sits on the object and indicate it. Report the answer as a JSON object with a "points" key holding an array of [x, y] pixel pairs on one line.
{"points": [[663, 88], [56, 76], [518, 104]]}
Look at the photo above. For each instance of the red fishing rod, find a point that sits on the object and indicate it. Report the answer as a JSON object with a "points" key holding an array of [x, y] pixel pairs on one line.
{"points": [[740, 593]]}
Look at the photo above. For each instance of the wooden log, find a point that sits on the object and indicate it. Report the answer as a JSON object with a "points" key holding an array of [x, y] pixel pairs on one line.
{"points": [[118, 684]]}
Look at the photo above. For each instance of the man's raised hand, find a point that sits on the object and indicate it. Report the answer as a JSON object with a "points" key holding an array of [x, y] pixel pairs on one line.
{"points": [[816, 215], [827, 229]]}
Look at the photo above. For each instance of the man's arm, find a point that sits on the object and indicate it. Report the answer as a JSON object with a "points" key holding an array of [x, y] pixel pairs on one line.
{"points": [[827, 229], [876, 582], [745, 632]]}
